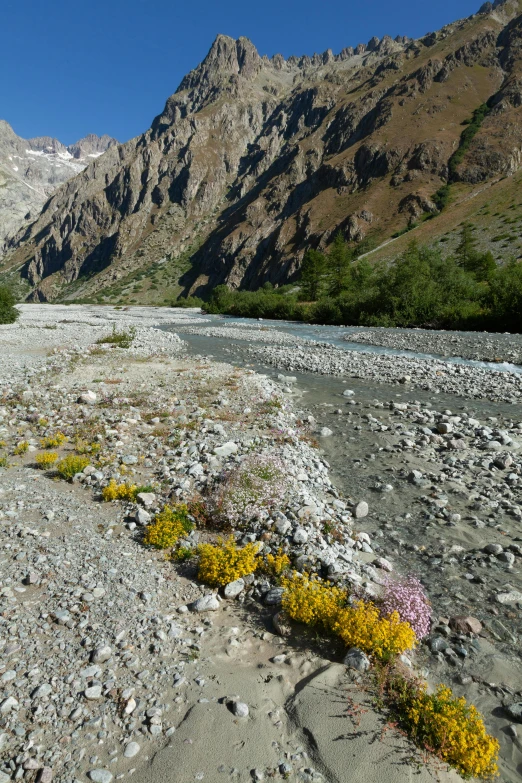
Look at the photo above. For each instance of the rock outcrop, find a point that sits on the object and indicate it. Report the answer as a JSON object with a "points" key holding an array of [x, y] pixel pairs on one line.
{"points": [[254, 159]]}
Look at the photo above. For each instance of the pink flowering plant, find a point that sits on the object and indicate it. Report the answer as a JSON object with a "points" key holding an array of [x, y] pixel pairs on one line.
{"points": [[257, 484], [407, 597]]}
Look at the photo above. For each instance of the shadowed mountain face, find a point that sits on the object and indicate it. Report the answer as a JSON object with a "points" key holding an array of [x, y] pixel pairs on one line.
{"points": [[32, 169], [252, 160]]}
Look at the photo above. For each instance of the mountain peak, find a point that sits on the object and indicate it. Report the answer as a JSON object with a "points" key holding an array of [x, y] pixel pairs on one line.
{"points": [[226, 58]]}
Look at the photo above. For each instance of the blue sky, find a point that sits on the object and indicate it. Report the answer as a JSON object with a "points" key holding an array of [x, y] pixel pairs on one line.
{"points": [[107, 66]]}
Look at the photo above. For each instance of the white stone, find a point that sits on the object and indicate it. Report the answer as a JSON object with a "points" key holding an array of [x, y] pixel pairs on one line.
{"points": [[226, 449], [361, 510], [131, 750], [207, 603]]}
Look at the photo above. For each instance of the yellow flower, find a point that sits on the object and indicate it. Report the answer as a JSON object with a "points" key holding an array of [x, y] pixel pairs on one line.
{"points": [[46, 459], [226, 562], [168, 527]]}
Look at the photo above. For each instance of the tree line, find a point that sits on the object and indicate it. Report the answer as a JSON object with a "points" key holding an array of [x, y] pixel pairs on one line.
{"points": [[423, 288]]}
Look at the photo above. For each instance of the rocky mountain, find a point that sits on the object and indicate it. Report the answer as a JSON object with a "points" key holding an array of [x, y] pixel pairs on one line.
{"points": [[32, 169], [254, 159]]}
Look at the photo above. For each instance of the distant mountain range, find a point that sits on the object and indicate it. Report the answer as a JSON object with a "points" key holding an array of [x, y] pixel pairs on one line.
{"points": [[253, 160], [32, 169]]}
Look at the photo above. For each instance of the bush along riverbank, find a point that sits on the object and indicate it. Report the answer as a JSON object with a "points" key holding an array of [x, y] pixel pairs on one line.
{"points": [[421, 288], [159, 491]]}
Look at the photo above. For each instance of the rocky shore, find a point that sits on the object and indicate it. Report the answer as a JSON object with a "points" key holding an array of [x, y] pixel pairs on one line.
{"points": [[116, 661], [479, 346]]}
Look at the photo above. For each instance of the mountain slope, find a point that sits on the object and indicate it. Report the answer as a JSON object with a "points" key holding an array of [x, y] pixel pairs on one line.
{"points": [[253, 160], [32, 169]]}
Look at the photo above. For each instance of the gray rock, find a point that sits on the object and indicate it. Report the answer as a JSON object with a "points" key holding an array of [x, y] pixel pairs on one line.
{"points": [[240, 709], [300, 536], [511, 597], [146, 499], [131, 750], [94, 692], [233, 589], [207, 603], [274, 596], [7, 705], [42, 691], [87, 398], [100, 775], [493, 549], [226, 450], [325, 432], [357, 659], [515, 711], [142, 517], [101, 654], [361, 510]]}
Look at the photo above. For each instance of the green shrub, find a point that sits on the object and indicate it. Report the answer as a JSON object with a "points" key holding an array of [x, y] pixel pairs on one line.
{"points": [[8, 311], [71, 465], [120, 339]]}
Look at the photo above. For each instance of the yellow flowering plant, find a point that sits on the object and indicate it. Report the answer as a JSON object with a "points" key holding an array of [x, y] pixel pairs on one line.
{"points": [[311, 601], [168, 527], [445, 725], [46, 459], [275, 565], [225, 562], [53, 441], [114, 491], [363, 626], [21, 448], [71, 465]]}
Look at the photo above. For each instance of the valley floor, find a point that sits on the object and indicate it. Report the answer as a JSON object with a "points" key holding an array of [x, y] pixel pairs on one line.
{"points": [[109, 671]]}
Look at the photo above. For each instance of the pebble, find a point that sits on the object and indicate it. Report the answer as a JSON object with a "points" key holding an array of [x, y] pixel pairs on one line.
{"points": [[131, 750], [100, 775], [207, 603]]}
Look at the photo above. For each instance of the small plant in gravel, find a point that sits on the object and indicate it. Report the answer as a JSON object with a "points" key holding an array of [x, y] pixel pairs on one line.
{"points": [[183, 553], [46, 459], [69, 466], [121, 339], [275, 565], [407, 597], [115, 491], [311, 601], [3, 462], [53, 441], [21, 448], [84, 447], [443, 724], [168, 527], [225, 562], [258, 483]]}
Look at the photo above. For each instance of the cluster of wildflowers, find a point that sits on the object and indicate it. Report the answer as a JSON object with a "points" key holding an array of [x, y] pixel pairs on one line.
{"points": [[46, 459], [445, 725], [53, 441], [21, 448], [407, 598], [225, 562], [362, 626], [258, 483], [71, 465], [168, 527], [314, 602], [275, 565], [114, 491]]}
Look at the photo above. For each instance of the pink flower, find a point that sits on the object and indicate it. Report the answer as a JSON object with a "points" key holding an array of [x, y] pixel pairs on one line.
{"points": [[407, 597]]}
